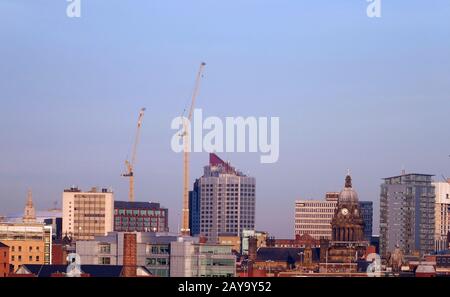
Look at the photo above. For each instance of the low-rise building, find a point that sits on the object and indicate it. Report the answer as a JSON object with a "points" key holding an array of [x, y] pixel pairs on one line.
{"points": [[191, 258], [140, 217], [277, 259], [29, 243], [234, 241], [87, 214], [61, 248], [261, 238], [152, 250], [313, 217], [300, 241], [4, 260]]}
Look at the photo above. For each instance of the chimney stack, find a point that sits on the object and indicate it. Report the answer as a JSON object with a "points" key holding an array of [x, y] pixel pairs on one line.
{"points": [[129, 255]]}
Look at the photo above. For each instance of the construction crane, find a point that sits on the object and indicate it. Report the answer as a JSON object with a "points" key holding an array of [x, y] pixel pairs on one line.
{"points": [[185, 228], [129, 165]]}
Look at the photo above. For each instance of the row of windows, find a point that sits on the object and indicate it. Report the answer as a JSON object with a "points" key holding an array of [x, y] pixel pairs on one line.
{"points": [[228, 185], [228, 217], [30, 258], [316, 232], [145, 224], [230, 189], [141, 228], [234, 209], [228, 214], [159, 249], [220, 202], [233, 231], [139, 212], [319, 216], [98, 203], [220, 208], [316, 210], [82, 212], [227, 203], [310, 227], [19, 248], [156, 261], [227, 223], [90, 196], [228, 197], [206, 195], [104, 260], [300, 205], [89, 222], [140, 219], [227, 229], [313, 222]]}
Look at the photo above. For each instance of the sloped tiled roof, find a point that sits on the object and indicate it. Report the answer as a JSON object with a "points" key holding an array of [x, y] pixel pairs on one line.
{"points": [[92, 270]]}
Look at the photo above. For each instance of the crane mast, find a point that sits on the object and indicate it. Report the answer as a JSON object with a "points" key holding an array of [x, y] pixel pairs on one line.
{"points": [[185, 228], [129, 165]]}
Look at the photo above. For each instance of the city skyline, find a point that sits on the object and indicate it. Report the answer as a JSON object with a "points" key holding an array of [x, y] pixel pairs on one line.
{"points": [[369, 95]]}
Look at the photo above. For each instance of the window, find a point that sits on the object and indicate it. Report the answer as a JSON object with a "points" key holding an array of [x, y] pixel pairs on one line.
{"points": [[20, 258], [156, 261], [20, 248], [105, 248], [104, 261], [150, 261], [37, 258], [30, 258]]}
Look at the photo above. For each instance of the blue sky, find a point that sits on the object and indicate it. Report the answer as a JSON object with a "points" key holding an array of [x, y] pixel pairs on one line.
{"points": [[372, 95]]}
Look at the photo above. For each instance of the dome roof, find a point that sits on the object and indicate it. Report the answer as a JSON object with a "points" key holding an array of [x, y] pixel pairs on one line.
{"points": [[348, 196]]}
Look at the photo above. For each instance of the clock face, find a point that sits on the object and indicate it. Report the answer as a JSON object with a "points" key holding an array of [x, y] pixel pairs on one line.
{"points": [[344, 211]]}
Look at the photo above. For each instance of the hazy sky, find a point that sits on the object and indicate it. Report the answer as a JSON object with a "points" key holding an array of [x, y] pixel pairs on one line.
{"points": [[372, 95]]}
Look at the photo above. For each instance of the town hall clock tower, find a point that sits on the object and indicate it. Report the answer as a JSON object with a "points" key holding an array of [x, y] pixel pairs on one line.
{"points": [[347, 224], [347, 245]]}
